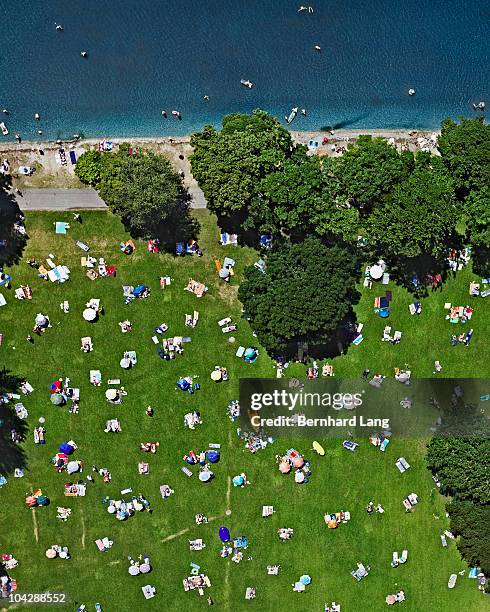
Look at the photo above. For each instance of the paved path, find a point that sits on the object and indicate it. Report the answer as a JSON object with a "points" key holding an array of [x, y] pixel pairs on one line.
{"points": [[88, 199], [59, 199]]}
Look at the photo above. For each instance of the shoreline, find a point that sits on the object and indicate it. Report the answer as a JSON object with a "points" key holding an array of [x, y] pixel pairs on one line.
{"points": [[49, 173], [298, 136]]}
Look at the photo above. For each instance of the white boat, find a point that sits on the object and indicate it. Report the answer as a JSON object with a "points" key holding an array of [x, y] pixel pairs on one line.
{"points": [[164, 114], [37, 116], [247, 83], [176, 114], [4, 128], [479, 106], [292, 115], [318, 48], [84, 54], [411, 92], [303, 112]]}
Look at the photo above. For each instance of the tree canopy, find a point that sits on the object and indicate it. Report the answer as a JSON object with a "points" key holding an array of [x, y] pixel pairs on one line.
{"points": [[472, 523], [230, 164], [307, 290], [477, 212], [462, 465], [89, 166], [465, 150], [421, 215], [143, 190], [369, 170]]}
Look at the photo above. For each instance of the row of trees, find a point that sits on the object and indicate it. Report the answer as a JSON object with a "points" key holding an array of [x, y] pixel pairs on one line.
{"points": [[462, 465], [406, 205], [143, 189]]}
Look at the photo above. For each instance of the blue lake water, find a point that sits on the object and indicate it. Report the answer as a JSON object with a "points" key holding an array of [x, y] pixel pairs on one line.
{"points": [[145, 56]]}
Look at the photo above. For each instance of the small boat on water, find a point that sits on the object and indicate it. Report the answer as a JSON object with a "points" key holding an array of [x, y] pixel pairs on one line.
{"points": [[4, 129], [247, 83], [5, 111], [59, 27], [303, 112], [164, 114], [317, 48], [479, 106], [18, 138], [177, 114], [37, 116], [206, 98], [411, 92], [84, 54], [292, 115], [308, 9]]}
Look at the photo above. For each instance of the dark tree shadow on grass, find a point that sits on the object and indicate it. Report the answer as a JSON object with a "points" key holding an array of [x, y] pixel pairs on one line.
{"points": [[12, 242], [481, 261], [12, 455], [419, 275]]}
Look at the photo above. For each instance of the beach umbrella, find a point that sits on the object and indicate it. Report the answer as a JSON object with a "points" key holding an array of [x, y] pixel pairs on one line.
{"points": [[31, 501], [133, 570], [145, 568], [238, 481], [216, 375], [55, 386], [305, 579], [284, 467], [183, 384], [205, 476], [138, 507], [73, 467], [51, 553], [66, 448], [111, 509], [224, 534], [111, 394], [224, 273], [89, 314], [57, 399], [298, 462], [42, 500], [41, 320], [299, 477], [213, 456], [125, 363], [138, 290]]}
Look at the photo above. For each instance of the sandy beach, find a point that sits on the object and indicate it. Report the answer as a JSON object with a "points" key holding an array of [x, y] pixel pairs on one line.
{"points": [[48, 173]]}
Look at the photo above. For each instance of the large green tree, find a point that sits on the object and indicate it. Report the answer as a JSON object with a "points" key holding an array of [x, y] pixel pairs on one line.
{"points": [[477, 212], [471, 522], [369, 170], [89, 167], [465, 150], [420, 217], [147, 194], [300, 197], [462, 465], [230, 164], [307, 290]]}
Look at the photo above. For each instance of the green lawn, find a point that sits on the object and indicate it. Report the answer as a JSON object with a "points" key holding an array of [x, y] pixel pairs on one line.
{"points": [[340, 480]]}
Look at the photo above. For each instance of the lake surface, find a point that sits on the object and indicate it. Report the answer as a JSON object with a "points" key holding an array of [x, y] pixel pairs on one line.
{"points": [[147, 56]]}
